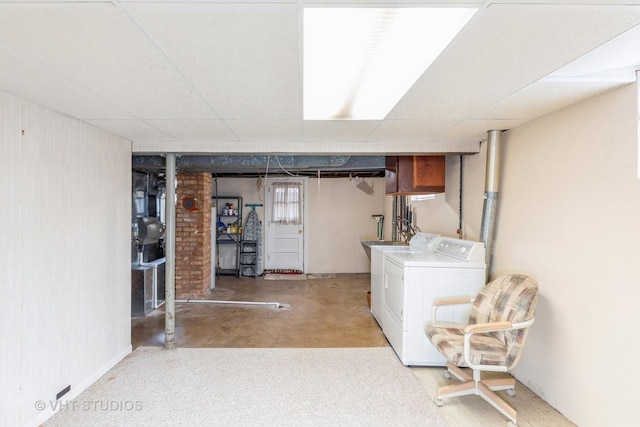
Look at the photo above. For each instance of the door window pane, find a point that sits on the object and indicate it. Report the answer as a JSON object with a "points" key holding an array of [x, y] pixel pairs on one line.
{"points": [[287, 206]]}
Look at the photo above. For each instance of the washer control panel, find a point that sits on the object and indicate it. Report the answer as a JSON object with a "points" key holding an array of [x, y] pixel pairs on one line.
{"points": [[424, 241], [465, 250]]}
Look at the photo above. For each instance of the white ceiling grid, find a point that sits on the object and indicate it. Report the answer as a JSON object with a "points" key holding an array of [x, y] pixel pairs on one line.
{"points": [[216, 76]]}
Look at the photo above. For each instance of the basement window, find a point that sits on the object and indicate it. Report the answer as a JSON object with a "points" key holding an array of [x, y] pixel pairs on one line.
{"points": [[359, 62]]}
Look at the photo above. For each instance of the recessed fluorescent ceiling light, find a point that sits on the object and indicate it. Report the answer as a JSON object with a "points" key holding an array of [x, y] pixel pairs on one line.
{"points": [[359, 62]]}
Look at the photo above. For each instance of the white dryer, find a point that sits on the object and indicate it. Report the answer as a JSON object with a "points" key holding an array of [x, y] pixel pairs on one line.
{"points": [[421, 242], [413, 280]]}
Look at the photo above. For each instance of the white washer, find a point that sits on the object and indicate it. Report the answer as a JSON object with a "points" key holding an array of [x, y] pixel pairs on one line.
{"points": [[421, 242], [413, 280]]}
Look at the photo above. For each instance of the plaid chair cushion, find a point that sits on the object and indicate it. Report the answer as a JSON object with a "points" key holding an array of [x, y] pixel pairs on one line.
{"points": [[510, 298], [449, 339]]}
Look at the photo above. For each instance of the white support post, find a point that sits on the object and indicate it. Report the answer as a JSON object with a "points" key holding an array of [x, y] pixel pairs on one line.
{"points": [[170, 233]]}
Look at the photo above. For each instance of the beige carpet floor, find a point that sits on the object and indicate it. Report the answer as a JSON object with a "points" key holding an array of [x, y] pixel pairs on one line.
{"points": [[254, 387]]}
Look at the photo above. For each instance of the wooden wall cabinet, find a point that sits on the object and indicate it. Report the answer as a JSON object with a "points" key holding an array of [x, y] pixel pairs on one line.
{"points": [[414, 174]]}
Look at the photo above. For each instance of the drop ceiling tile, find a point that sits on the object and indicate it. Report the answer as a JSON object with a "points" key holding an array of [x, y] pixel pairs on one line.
{"points": [[40, 85], [395, 2], [243, 58], [616, 59], [266, 130], [608, 66], [338, 130], [207, 1], [163, 72], [572, 2], [476, 130], [195, 130], [134, 130], [409, 130], [507, 47], [98, 47], [51, 1], [542, 98]]}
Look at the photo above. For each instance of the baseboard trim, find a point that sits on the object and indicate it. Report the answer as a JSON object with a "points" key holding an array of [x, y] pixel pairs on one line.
{"points": [[77, 389]]}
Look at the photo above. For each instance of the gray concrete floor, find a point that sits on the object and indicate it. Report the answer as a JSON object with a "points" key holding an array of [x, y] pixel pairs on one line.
{"points": [[322, 311]]}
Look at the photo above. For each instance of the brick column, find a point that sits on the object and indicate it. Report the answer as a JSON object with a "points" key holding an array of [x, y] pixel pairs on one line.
{"points": [[193, 236]]}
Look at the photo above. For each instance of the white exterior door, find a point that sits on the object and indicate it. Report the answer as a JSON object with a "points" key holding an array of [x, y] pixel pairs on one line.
{"points": [[285, 215]]}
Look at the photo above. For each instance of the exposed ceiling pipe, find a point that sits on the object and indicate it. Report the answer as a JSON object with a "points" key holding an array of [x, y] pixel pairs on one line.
{"points": [[260, 161], [491, 184]]}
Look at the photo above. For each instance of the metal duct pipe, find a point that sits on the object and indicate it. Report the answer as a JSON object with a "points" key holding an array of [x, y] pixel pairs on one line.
{"points": [[170, 272], [492, 182]]}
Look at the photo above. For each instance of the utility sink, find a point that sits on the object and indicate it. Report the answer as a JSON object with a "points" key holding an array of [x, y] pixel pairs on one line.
{"points": [[366, 245]]}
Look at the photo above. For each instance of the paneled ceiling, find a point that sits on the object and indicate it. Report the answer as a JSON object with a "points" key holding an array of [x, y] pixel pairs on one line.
{"points": [[225, 77]]}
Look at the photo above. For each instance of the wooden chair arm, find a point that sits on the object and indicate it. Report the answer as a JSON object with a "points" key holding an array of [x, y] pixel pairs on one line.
{"points": [[452, 300], [496, 326], [440, 302], [487, 327]]}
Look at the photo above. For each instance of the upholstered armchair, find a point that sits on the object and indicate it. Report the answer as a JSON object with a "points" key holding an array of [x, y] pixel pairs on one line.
{"points": [[493, 339]]}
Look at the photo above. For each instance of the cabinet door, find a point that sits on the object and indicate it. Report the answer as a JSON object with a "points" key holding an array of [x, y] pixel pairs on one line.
{"points": [[428, 174], [391, 174], [414, 174]]}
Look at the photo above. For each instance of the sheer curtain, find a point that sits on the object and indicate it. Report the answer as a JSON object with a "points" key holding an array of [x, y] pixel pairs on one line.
{"points": [[287, 206]]}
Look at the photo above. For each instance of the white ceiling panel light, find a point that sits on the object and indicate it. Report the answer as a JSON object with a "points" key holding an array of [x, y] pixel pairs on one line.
{"points": [[359, 62]]}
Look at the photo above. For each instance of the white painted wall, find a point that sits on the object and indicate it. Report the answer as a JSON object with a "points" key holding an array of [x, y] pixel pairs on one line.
{"points": [[339, 218], [568, 215], [65, 260], [250, 189]]}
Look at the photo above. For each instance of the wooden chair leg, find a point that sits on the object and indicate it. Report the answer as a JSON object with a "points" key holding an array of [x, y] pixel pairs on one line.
{"points": [[483, 388], [467, 387], [458, 372], [500, 383], [497, 402]]}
